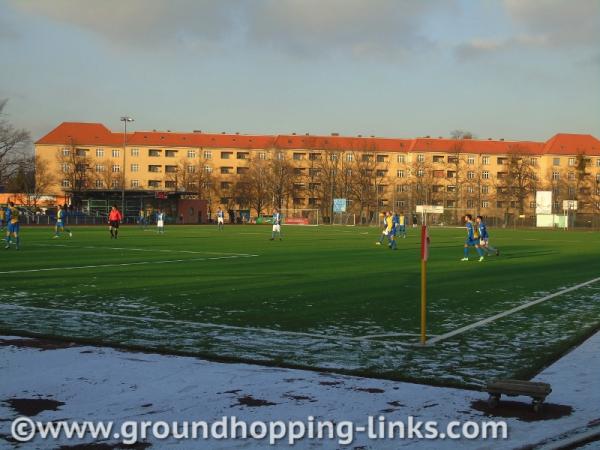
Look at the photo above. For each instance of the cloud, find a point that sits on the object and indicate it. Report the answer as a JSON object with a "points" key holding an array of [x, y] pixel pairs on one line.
{"points": [[7, 31], [374, 28], [550, 25], [140, 23], [309, 28], [560, 22]]}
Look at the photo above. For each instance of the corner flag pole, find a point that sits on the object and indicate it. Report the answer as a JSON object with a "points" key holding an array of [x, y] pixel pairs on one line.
{"points": [[424, 257]]}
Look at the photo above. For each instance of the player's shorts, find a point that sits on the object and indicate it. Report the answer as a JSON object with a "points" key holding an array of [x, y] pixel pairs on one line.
{"points": [[472, 242], [114, 223], [160, 223], [220, 220], [60, 224], [13, 228], [276, 228], [483, 241]]}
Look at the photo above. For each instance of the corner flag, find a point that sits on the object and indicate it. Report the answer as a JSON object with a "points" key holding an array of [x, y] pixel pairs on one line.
{"points": [[424, 257]]}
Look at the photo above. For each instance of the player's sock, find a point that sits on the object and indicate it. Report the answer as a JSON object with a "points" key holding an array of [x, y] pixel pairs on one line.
{"points": [[479, 251], [17, 240], [112, 234], [116, 233], [466, 252]]}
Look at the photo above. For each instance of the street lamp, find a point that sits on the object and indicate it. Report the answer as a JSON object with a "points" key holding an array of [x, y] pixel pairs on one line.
{"points": [[124, 119]]}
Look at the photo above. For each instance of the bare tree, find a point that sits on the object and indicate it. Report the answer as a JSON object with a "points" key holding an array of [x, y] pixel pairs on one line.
{"points": [[13, 144], [366, 180], [33, 179], [517, 184], [103, 171], [75, 165], [281, 178], [461, 134], [253, 188]]}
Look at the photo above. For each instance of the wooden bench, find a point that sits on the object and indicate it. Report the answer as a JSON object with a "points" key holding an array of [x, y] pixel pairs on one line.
{"points": [[536, 390]]}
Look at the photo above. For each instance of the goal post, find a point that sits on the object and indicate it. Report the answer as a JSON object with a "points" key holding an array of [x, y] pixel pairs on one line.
{"points": [[346, 219], [306, 217]]}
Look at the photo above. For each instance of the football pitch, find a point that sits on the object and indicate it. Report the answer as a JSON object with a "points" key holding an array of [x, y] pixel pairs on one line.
{"points": [[324, 298]]}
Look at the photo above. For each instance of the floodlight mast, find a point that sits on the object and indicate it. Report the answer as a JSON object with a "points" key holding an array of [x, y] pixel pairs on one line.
{"points": [[124, 119]]}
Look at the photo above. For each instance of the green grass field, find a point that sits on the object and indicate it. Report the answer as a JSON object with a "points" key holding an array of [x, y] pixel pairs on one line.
{"points": [[323, 298]]}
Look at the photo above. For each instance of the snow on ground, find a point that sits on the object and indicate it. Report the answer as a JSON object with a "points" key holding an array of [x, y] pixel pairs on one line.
{"points": [[97, 383]]}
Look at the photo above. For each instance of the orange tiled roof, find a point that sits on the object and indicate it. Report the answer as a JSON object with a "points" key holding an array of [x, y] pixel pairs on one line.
{"points": [[77, 133]]}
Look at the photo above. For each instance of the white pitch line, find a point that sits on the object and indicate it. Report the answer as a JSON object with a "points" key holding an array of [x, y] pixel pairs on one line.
{"points": [[375, 336], [143, 249], [187, 322], [443, 337], [139, 263]]}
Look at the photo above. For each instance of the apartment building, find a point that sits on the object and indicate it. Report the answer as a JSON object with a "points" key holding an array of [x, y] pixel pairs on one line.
{"points": [[497, 178]]}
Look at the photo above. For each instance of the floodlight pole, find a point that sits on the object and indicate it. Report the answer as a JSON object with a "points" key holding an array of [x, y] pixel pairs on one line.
{"points": [[124, 119]]}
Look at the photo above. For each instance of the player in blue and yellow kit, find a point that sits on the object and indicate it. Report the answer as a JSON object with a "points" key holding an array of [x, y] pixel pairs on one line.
{"points": [[484, 237], [472, 238], [2, 217], [401, 225], [61, 214], [394, 231], [12, 219]]}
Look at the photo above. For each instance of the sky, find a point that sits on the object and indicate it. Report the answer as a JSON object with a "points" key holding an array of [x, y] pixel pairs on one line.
{"points": [[512, 69]]}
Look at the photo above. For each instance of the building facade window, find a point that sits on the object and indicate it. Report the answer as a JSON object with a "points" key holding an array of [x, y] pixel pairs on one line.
{"points": [[485, 175], [100, 168], [420, 158], [485, 204], [99, 184], [349, 157], [116, 153], [572, 161], [191, 154], [555, 176], [135, 152], [556, 161], [470, 160], [485, 160], [99, 153], [135, 183], [66, 183], [401, 159], [116, 168], [67, 152], [400, 173], [207, 154], [135, 168], [262, 156]]}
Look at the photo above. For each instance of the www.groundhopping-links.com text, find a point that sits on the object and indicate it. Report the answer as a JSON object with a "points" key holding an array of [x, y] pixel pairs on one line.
{"points": [[25, 429]]}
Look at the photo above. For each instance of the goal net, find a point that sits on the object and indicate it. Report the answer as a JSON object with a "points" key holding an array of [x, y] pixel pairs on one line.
{"points": [[301, 217], [347, 219]]}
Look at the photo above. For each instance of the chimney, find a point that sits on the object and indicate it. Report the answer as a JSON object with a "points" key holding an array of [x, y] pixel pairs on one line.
{"points": [[360, 135], [197, 131], [335, 134]]}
